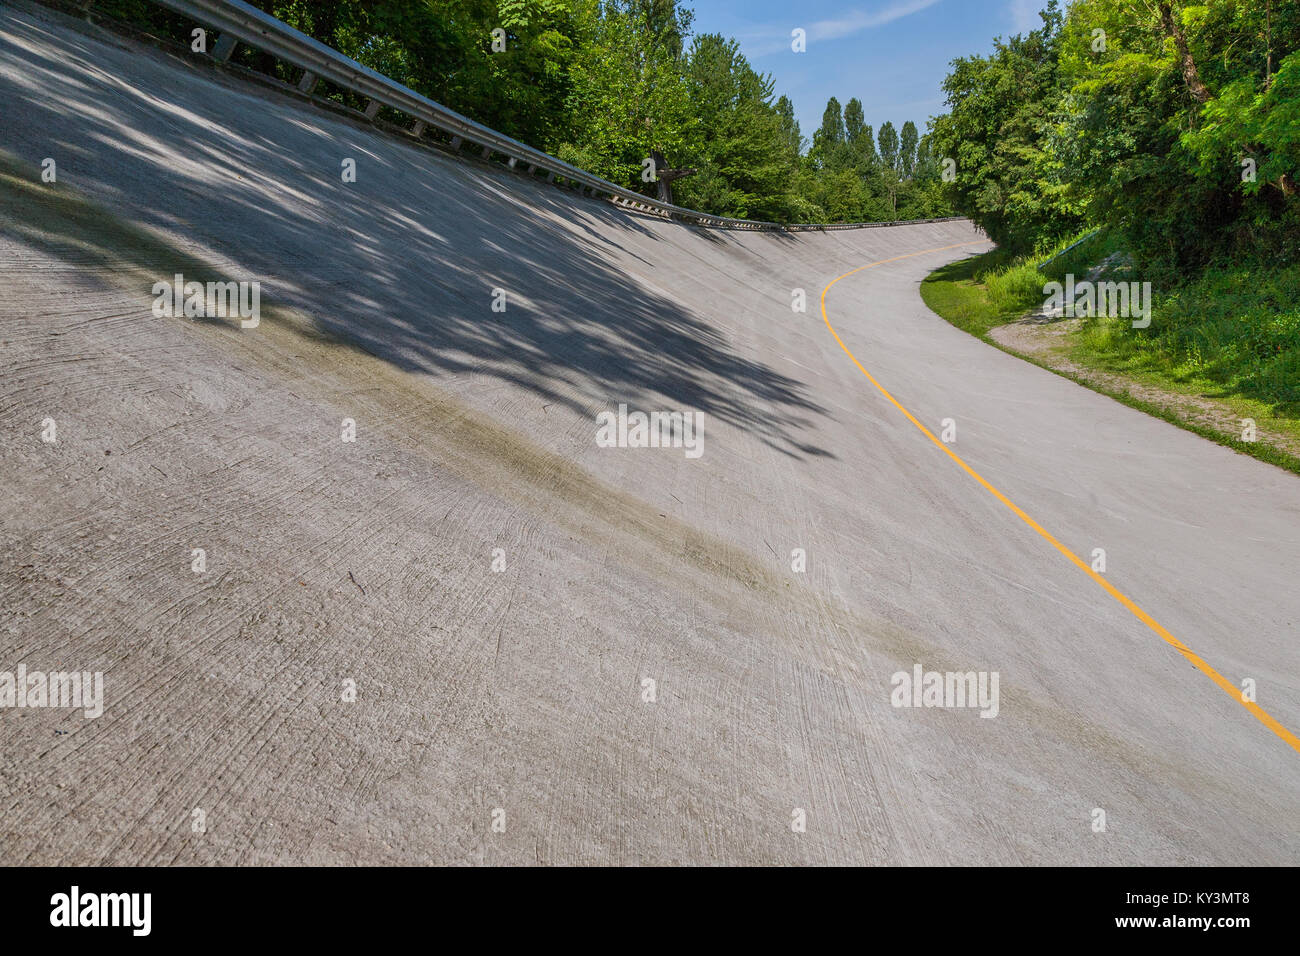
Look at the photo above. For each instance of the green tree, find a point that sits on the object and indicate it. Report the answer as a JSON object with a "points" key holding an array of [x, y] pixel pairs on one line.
{"points": [[1181, 133], [888, 139], [746, 168], [867, 148], [830, 136], [854, 121], [629, 96], [791, 136], [907, 149], [998, 130]]}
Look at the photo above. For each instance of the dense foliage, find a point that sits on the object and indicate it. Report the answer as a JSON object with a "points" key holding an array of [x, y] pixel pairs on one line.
{"points": [[1175, 124], [1175, 128], [603, 83]]}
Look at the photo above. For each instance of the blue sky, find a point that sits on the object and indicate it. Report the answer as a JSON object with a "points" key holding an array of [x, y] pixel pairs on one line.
{"points": [[890, 54]]}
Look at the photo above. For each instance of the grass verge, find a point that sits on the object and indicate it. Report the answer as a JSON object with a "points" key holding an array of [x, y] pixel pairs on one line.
{"points": [[1225, 345]]}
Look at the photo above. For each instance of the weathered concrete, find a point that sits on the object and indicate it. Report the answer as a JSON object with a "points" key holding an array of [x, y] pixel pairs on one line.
{"points": [[523, 690]]}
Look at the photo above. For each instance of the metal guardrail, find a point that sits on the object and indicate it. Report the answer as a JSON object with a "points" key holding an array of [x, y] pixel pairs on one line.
{"points": [[238, 22], [1078, 242]]}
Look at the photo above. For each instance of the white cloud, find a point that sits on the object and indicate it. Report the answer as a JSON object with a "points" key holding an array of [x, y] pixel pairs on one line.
{"points": [[859, 20], [766, 40]]}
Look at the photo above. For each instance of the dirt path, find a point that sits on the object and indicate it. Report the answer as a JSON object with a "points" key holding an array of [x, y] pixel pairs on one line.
{"points": [[1045, 342]]}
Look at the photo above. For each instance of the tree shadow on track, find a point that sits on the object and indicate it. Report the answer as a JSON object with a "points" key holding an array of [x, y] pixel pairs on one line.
{"points": [[404, 261]]}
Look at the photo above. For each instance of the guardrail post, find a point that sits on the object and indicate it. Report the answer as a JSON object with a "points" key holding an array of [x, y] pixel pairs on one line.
{"points": [[225, 46], [347, 74]]}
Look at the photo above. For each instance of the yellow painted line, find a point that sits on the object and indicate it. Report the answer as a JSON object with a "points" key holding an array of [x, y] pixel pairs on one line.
{"points": [[1232, 690]]}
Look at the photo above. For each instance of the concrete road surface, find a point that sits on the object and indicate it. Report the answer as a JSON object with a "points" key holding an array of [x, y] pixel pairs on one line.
{"points": [[475, 635]]}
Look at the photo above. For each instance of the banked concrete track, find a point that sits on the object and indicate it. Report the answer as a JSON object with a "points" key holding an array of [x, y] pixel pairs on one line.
{"points": [[522, 690]]}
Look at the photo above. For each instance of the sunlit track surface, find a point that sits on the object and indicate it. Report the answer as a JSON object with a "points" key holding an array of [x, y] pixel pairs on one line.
{"points": [[522, 691]]}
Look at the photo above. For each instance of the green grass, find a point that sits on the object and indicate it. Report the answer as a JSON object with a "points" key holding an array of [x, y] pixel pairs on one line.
{"points": [[1231, 335], [1234, 332], [957, 293], [989, 290]]}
